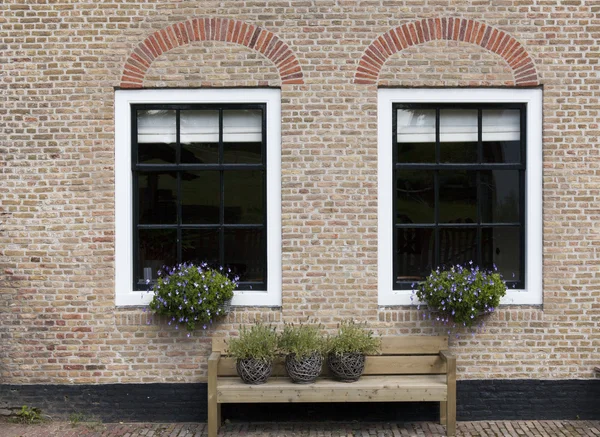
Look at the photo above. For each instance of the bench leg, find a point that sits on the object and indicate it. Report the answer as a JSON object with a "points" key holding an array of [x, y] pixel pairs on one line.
{"points": [[443, 411], [214, 417], [451, 412]]}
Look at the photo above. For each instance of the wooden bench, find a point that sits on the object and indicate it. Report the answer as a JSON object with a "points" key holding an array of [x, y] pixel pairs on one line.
{"points": [[409, 369]]}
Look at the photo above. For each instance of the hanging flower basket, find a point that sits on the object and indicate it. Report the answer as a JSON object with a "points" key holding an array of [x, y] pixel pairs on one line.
{"points": [[304, 370], [224, 308], [346, 367], [253, 371]]}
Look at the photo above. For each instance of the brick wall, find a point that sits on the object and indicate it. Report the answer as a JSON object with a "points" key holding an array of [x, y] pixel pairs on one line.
{"points": [[60, 63]]}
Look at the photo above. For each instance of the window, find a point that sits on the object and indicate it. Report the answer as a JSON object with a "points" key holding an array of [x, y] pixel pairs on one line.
{"points": [[198, 179], [460, 181]]}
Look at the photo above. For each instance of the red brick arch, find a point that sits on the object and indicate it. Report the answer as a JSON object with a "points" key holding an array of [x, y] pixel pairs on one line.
{"points": [[447, 28], [211, 29]]}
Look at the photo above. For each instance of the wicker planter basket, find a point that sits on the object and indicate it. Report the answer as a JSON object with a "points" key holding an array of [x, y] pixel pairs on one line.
{"points": [[254, 371], [306, 370], [346, 367]]}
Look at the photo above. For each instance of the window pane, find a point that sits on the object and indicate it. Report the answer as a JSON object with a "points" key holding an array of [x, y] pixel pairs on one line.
{"points": [[157, 197], [199, 136], [501, 125], [242, 153], [244, 196], [501, 135], [500, 196], [242, 136], [244, 254], [200, 245], [501, 246], [457, 245], [415, 125], [414, 253], [416, 135], [415, 153], [458, 135], [200, 193], [458, 196], [156, 136], [157, 248], [414, 197]]}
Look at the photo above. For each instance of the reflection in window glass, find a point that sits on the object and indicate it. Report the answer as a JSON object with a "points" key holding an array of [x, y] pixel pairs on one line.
{"points": [[458, 196], [458, 135], [156, 136], [242, 136], [242, 252], [200, 197], [157, 197], [500, 196], [415, 197], [158, 247], [199, 136]]}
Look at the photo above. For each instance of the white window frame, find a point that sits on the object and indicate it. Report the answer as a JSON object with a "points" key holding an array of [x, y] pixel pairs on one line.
{"points": [[124, 294], [533, 293]]}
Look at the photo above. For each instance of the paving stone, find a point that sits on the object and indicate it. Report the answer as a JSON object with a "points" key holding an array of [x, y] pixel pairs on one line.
{"points": [[313, 429]]}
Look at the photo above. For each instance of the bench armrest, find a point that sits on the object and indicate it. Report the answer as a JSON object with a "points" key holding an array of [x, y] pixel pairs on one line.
{"points": [[450, 361], [214, 356], [447, 356], [213, 367]]}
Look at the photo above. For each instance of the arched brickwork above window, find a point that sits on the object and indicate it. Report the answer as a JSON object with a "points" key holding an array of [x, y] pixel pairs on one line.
{"points": [[211, 29], [447, 28]]}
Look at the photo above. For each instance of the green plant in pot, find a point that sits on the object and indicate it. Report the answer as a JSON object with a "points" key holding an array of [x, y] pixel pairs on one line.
{"points": [[254, 351], [347, 349], [304, 347]]}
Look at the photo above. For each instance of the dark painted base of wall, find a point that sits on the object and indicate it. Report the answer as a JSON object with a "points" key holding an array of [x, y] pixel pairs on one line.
{"points": [[476, 400]]}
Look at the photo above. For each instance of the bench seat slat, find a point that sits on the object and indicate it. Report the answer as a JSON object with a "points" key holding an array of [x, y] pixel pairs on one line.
{"points": [[397, 388]]}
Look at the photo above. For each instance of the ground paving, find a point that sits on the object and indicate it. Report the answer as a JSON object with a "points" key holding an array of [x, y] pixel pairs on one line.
{"points": [[541, 428]]}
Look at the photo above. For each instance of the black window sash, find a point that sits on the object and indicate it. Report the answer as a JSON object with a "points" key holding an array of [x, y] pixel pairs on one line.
{"points": [[479, 166], [179, 168]]}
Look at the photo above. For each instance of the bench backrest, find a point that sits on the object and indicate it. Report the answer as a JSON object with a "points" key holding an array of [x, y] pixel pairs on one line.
{"points": [[400, 355]]}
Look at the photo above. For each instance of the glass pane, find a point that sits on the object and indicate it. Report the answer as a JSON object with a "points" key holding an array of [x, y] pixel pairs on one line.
{"points": [[415, 125], [502, 151], [244, 193], [157, 248], [414, 197], [199, 136], [242, 153], [501, 125], [501, 135], [500, 196], [200, 245], [457, 245], [501, 246], [156, 136], [458, 196], [244, 254], [415, 153], [413, 253], [157, 197], [200, 194], [416, 135], [458, 135], [242, 136]]}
